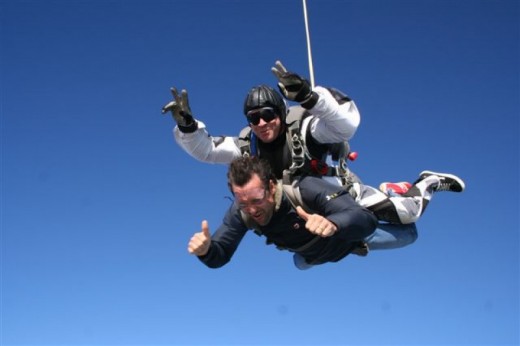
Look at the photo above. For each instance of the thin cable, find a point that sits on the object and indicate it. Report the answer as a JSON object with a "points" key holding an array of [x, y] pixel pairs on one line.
{"points": [[309, 54]]}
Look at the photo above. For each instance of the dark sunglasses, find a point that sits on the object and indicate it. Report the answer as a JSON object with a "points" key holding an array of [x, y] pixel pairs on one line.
{"points": [[267, 114]]}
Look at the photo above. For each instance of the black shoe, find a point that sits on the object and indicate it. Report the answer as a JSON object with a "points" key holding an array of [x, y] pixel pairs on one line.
{"points": [[448, 182]]}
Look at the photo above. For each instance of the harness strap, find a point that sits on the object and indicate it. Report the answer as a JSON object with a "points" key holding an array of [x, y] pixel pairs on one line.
{"points": [[296, 147], [292, 192], [244, 141]]}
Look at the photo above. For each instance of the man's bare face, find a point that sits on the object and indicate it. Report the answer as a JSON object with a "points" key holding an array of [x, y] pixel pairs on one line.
{"points": [[256, 201]]}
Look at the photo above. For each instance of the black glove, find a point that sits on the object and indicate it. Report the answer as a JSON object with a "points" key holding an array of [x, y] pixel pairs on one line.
{"points": [[294, 87], [181, 111]]}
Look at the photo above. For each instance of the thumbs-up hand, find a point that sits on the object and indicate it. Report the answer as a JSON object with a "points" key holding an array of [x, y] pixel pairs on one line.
{"points": [[317, 224], [200, 241]]}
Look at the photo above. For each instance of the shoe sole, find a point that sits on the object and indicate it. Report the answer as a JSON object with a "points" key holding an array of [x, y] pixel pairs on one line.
{"points": [[451, 176]]}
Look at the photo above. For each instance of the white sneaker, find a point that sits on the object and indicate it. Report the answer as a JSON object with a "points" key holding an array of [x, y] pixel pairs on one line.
{"points": [[448, 182]]}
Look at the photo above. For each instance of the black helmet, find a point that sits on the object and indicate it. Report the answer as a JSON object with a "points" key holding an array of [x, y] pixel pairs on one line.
{"points": [[265, 96]]}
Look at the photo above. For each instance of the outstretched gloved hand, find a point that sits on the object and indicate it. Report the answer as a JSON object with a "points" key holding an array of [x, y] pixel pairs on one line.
{"points": [[294, 87], [180, 109]]}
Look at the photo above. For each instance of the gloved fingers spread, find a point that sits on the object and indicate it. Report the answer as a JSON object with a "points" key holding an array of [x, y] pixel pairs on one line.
{"points": [[175, 94], [276, 73], [282, 88], [278, 69], [184, 99], [169, 106]]}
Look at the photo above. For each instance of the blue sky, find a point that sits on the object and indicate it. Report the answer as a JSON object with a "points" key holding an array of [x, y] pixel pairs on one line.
{"points": [[98, 202]]}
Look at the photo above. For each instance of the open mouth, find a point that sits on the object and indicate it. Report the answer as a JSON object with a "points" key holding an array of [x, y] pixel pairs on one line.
{"points": [[265, 133], [257, 216]]}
